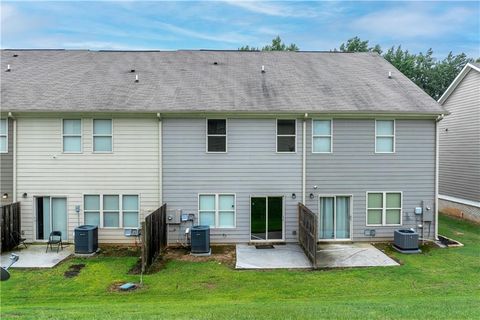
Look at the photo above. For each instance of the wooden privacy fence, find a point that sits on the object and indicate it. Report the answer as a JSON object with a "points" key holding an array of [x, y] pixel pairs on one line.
{"points": [[10, 226], [154, 236], [308, 232]]}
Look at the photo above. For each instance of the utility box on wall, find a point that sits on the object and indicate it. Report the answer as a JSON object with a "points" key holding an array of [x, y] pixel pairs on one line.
{"points": [[174, 216], [428, 210]]}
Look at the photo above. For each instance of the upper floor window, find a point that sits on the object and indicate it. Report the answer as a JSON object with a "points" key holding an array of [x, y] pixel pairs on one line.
{"points": [[384, 208], [216, 135], [385, 136], [216, 210], [286, 135], [322, 136], [102, 135], [3, 135], [72, 135]]}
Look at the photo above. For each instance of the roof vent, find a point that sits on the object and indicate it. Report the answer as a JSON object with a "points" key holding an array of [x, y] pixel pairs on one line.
{"points": [[132, 70], [136, 78], [263, 69], [15, 55], [389, 74], [8, 68], [215, 62]]}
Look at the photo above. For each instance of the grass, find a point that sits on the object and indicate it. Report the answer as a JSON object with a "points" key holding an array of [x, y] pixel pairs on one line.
{"points": [[439, 284]]}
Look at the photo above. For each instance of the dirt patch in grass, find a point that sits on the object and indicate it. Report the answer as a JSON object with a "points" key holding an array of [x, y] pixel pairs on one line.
{"points": [[120, 251], [74, 270], [222, 254]]}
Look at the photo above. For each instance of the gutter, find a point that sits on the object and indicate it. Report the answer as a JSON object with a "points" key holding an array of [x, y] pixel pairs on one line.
{"points": [[14, 151], [437, 120], [304, 156]]}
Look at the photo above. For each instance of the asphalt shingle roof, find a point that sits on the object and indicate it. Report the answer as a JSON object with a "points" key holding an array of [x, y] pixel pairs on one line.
{"points": [[190, 81]]}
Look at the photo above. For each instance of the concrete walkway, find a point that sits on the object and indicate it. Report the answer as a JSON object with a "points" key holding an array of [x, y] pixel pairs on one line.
{"points": [[288, 256], [35, 257], [352, 255]]}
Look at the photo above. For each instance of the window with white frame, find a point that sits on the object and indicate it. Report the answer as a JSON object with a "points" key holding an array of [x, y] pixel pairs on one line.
{"points": [[385, 136], [216, 135], [3, 135], [111, 211], [384, 208], [102, 135], [72, 135], [322, 136], [216, 210], [286, 135]]}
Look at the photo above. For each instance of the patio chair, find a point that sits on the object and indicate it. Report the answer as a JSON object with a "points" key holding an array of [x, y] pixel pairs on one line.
{"points": [[55, 238], [17, 238]]}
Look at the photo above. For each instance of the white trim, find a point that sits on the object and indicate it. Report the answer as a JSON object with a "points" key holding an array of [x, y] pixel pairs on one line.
{"points": [[14, 147], [160, 162], [35, 213], [384, 209], [460, 200], [216, 135], [323, 136], [72, 135], [386, 136], [285, 135], [456, 81], [436, 178], [350, 216], [5, 135], [266, 217], [217, 209], [101, 135], [304, 159]]}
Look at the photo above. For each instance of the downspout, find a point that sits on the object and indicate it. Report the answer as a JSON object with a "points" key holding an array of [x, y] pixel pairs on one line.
{"points": [[438, 119], [160, 172], [304, 157], [14, 151]]}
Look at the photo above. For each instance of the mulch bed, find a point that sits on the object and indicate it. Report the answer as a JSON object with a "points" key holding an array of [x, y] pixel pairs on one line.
{"points": [[74, 270]]}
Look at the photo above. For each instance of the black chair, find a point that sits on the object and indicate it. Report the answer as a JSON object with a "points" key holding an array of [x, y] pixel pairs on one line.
{"points": [[17, 239], [55, 238]]}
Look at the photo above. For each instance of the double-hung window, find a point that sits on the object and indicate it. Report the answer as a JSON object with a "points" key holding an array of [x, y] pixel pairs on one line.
{"points": [[385, 136], [322, 136], [3, 135], [216, 135], [111, 211], [217, 210], [286, 135], [72, 135], [384, 208], [102, 135]]}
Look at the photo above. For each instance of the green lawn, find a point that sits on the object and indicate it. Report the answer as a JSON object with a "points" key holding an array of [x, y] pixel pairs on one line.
{"points": [[440, 284]]}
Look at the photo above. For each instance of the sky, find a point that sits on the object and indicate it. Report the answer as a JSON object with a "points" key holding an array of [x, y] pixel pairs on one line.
{"points": [[443, 26]]}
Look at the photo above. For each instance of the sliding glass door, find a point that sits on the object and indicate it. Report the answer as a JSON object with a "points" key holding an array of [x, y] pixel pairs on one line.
{"points": [[266, 220], [51, 216], [334, 218]]}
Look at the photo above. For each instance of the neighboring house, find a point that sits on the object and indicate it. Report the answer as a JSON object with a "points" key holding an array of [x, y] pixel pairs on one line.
{"points": [[460, 146], [6, 160], [233, 139]]}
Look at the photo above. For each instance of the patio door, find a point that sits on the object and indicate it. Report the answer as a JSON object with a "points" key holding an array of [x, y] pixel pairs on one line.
{"points": [[51, 216], [266, 218], [334, 218]]}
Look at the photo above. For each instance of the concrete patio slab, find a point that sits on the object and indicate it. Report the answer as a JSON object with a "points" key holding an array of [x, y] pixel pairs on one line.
{"points": [[352, 255], [35, 257], [288, 256]]}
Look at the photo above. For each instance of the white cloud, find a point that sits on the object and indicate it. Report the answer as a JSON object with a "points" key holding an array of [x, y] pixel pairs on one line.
{"points": [[272, 9]]}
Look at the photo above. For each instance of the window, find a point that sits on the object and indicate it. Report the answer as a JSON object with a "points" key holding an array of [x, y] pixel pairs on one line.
{"points": [[107, 211], [322, 136], [384, 208], [286, 135], [385, 136], [72, 136], [216, 135], [217, 210], [102, 135], [3, 135]]}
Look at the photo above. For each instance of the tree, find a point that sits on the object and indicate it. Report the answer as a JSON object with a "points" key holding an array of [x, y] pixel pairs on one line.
{"points": [[277, 45], [357, 45]]}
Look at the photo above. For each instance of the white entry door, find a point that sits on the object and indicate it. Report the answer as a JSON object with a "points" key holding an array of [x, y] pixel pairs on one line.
{"points": [[334, 218], [51, 216]]}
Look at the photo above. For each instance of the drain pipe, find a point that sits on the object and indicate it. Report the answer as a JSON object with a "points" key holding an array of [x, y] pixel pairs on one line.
{"points": [[304, 156], [14, 152], [160, 173], [437, 120]]}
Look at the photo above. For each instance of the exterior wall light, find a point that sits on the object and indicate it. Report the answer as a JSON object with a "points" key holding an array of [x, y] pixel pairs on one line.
{"points": [[5, 196], [312, 196], [294, 196]]}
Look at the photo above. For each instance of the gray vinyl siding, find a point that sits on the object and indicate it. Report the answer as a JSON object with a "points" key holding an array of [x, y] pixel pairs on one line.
{"points": [[353, 169], [460, 145], [6, 168], [251, 167]]}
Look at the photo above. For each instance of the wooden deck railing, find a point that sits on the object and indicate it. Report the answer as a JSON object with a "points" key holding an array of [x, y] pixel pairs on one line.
{"points": [[308, 232]]}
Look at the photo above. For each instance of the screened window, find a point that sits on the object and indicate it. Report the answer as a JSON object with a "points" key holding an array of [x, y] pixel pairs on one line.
{"points": [[102, 135], [217, 210], [385, 136], [3, 135], [72, 135], [384, 208], [130, 211], [322, 136], [111, 211], [91, 205], [286, 135], [216, 135]]}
